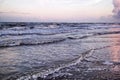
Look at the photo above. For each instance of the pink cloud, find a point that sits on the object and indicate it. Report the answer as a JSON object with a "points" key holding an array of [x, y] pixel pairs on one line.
{"points": [[116, 9]]}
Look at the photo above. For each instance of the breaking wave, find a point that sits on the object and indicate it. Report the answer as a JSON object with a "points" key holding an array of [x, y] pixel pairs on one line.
{"points": [[29, 41], [45, 74]]}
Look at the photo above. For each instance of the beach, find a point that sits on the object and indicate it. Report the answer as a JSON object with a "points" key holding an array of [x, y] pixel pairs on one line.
{"points": [[59, 51]]}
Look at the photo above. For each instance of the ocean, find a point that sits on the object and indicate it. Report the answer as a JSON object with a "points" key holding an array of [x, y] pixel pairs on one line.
{"points": [[59, 51]]}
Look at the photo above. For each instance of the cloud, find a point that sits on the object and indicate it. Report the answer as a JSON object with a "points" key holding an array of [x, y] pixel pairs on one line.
{"points": [[116, 9], [2, 2], [15, 16], [12, 12]]}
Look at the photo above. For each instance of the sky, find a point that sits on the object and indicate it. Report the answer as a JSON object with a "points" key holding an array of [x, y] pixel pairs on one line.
{"points": [[59, 10]]}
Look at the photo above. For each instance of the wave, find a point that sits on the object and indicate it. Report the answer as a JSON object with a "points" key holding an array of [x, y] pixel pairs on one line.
{"points": [[45, 40], [30, 41], [10, 41], [94, 34], [45, 74], [82, 37], [106, 33], [20, 34], [27, 32]]}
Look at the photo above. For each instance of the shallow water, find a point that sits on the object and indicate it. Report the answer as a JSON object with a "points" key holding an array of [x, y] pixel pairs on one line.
{"points": [[36, 50]]}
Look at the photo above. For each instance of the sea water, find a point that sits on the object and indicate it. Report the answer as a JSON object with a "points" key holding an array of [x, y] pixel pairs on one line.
{"points": [[33, 51]]}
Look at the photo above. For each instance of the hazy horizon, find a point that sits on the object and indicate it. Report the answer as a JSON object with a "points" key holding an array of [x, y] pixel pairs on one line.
{"points": [[76, 11]]}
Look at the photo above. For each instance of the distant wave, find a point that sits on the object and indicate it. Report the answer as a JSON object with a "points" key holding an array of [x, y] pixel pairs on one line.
{"points": [[94, 34], [32, 32], [14, 34], [105, 33], [26, 32]]}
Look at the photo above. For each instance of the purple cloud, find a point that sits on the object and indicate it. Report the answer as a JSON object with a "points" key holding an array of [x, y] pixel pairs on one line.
{"points": [[116, 9]]}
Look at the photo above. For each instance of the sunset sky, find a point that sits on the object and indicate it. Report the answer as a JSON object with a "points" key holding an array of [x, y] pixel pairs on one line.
{"points": [[57, 10]]}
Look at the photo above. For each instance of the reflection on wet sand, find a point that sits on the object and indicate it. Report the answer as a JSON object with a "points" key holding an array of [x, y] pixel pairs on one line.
{"points": [[115, 50], [7, 62], [7, 56], [115, 56]]}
